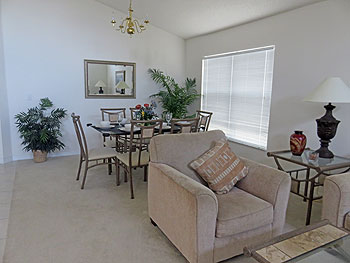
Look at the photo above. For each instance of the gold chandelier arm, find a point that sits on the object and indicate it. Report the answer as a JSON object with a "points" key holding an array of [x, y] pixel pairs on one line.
{"points": [[139, 27], [122, 27]]}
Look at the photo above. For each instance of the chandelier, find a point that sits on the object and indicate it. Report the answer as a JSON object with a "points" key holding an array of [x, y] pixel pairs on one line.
{"points": [[130, 25]]}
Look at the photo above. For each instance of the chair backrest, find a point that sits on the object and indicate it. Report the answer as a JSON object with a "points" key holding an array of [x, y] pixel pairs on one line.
{"points": [[184, 125], [204, 119], [133, 113], [178, 150], [84, 152], [144, 131], [112, 113]]}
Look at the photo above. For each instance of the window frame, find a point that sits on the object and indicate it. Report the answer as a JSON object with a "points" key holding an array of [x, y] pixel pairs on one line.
{"points": [[239, 52]]}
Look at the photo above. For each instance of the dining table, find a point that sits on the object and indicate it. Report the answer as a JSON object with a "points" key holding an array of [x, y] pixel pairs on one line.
{"points": [[119, 131], [116, 129]]}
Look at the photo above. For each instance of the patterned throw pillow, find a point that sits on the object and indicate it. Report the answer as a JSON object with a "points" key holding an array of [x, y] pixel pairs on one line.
{"points": [[220, 167]]}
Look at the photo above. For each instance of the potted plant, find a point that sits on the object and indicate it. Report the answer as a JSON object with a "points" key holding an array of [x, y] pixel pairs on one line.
{"points": [[174, 98], [39, 129]]}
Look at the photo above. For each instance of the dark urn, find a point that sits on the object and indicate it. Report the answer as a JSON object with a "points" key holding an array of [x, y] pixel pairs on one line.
{"points": [[326, 130]]}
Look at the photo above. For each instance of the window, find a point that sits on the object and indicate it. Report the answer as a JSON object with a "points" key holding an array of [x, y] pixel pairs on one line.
{"points": [[237, 88]]}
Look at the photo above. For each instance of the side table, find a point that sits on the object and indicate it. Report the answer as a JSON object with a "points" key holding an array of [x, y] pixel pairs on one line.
{"points": [[322, 167], [321, 242]]}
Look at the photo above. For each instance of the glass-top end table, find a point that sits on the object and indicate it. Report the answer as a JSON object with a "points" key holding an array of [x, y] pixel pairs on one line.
{"points": [[320, 164], [319, 243], [322, 167]]}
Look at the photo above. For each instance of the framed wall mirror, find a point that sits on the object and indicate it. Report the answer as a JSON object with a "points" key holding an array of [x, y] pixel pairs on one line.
{"points": [[109, 79]]}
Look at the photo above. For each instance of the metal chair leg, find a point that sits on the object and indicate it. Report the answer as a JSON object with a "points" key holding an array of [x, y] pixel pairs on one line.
{"points": [[85, 174], [79, 169], [153, 223], [131, 184], [117, 169], [145, 173], [109, 166], [125, 177]]}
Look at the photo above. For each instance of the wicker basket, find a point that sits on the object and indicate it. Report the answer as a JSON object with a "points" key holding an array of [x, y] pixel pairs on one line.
{"points": [[39, 156]]}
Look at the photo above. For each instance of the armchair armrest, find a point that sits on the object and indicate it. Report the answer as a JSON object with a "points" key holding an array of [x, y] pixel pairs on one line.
{"points": [[184, 210], [270, 185], [336, 198]]}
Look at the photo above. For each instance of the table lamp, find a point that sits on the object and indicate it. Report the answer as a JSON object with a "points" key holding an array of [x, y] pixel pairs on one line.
{"points": [[331, 90], [100, 84], [122, 86]]}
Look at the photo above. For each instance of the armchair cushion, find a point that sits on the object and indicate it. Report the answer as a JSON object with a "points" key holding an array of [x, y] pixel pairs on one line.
{"points": [[220, 167], [240, 211], [347, 222]]}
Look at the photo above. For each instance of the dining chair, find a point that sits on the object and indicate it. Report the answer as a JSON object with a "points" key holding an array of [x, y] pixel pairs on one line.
{"points": [[98, 156], [138, 155], [133, 113], [204, 119], [111, 114], [184, 125]]}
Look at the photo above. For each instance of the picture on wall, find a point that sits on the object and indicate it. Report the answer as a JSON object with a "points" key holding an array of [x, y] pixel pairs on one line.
{"points": [[119, 76]]}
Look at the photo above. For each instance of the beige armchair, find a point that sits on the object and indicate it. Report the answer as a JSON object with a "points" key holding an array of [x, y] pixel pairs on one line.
{"points": [[336, 200], [206, 227]]}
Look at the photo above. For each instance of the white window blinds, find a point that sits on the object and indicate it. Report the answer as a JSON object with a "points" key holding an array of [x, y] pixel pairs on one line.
{"points": [[237, 88]]}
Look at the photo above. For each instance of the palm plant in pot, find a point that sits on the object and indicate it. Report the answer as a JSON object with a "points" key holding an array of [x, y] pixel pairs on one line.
{"points": [[174, 98], [39, 129]]}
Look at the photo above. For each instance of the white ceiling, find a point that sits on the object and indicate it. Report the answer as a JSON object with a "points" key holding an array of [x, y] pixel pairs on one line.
{"points": [[190, 18]]}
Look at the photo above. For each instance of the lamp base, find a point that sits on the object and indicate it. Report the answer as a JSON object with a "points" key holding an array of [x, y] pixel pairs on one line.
{"points": [[326, 130], [324, 152]]}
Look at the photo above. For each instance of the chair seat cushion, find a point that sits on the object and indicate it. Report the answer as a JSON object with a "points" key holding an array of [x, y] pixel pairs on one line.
{"points": [[240, 211], [101, 153], [347, 222], [124, 158]]}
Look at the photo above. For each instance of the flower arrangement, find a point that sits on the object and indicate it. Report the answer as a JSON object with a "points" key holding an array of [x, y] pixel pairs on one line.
{"points": [[145, 112]]}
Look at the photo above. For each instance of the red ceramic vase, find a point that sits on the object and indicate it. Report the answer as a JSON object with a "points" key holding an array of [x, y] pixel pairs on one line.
{"points": [[297, 143]]}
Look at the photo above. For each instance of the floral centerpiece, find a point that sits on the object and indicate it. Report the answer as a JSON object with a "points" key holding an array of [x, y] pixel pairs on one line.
{"points": [[145, 112]]}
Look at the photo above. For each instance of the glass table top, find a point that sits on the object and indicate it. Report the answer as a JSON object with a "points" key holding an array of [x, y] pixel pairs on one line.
{"points": [[335, 252], [304, 159]]}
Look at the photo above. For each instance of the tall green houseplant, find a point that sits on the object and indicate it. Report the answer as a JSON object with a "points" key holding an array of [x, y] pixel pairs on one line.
{"points": [[39, 129], [174, 98]]}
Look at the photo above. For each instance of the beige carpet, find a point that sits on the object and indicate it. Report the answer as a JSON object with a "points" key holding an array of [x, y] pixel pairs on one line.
{"points": [[53, 221]]}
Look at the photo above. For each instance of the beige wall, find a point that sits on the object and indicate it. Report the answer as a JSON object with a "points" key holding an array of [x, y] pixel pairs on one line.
{"points": [[312, 43], [5, 143], [44, 56]]}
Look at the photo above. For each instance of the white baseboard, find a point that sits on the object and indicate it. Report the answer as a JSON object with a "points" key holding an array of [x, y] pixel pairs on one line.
{"points": [[29, 156], [5, 159]]}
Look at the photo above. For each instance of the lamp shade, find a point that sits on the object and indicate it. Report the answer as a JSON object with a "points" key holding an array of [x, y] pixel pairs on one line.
{"points": [[122, 85], [332, 90], [101, 84]]}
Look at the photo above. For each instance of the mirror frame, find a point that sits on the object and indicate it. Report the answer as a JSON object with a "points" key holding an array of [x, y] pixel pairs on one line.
{"points": [[112, 96]]}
